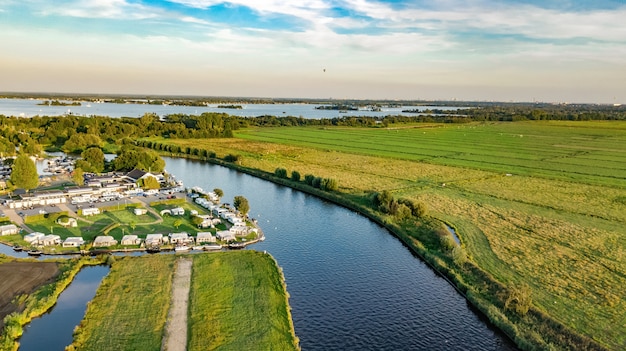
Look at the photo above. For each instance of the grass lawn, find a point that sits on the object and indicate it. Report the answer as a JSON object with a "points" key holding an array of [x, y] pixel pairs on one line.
{"points": [[237, 302], [539, 203], [130, 307]]}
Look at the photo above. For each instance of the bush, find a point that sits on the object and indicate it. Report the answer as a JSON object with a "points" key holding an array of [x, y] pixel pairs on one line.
{"points": [[329, 184], [231, 158], [309, 179], [317, 182], [403, 212], [295, 176], [281, 172], [458, 255]]}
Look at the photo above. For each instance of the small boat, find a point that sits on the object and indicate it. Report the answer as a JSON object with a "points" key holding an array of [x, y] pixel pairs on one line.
{"points": [[153, 249], [34, 253], [182, 248], [17, 248], [236, 245]]}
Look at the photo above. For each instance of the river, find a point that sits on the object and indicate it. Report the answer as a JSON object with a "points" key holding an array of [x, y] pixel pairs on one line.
{"points": [[352, 285], [30, 108], [54, 329]]}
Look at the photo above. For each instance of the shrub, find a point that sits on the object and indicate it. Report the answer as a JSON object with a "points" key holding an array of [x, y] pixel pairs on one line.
{"points": [[231, 158], [295, 176], [309, 179], [317, 182], [458, 255], [281, 172], [519, 299], [329, 184]]}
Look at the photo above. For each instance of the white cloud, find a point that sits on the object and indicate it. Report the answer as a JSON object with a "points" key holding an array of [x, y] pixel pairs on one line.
{"points": [[110, 9]]}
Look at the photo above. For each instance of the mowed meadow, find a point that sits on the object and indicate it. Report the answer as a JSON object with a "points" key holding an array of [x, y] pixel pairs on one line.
{"points": [[538, 203]]}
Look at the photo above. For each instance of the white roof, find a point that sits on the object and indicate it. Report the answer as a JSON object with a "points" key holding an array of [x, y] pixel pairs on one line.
{"points": [[103, 238], [154, 236], [179, 235], [77, 239], [205, 234], [130, 237]]}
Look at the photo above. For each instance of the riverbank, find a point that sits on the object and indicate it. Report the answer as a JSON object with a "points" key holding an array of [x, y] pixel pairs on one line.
{"points": [[480, 288]]}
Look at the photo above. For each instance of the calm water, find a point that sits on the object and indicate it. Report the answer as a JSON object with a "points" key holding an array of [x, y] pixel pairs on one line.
{"points": [[29, 108], [53, 330], [353, 286]]}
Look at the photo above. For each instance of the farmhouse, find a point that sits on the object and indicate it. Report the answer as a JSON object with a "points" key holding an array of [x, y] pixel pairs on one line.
{"points": [[130, 239], [8, 229], [73, 241], [205, 237], [104, 241], [91, 211], [50, 240], [33, 238], [225, 235]]}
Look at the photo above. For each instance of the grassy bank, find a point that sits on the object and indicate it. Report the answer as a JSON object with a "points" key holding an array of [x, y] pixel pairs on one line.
{"points": [[237, 302], [42, 300], [130, 307], [558, 232]]}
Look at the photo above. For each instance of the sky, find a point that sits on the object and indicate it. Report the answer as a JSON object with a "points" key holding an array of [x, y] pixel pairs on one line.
{"points": [[479, 50]]}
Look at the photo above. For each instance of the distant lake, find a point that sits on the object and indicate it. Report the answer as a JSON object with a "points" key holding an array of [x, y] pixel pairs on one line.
{"points": [[30, 108]]}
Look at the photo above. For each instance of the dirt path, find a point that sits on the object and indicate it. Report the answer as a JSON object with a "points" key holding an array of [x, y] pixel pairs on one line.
{"points": [[176, 328]]}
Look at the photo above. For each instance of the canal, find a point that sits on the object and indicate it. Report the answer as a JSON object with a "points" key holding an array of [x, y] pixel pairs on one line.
{"points": [[352, 284], [54, 329]]}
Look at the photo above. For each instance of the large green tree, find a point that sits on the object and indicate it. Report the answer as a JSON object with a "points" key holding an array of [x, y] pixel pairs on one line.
{"points": [[241, 204], [95, 157], [24, 173]]}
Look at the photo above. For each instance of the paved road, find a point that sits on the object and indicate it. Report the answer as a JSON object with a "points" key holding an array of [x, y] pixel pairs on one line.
{"points": [[17, 219]]}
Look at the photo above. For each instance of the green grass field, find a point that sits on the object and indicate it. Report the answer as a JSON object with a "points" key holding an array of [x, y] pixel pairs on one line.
{"points": [[130, 308], [541, 204], [589, 152], [237, 302]]}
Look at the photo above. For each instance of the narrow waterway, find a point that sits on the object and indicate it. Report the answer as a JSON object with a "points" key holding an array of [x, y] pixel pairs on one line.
{"points": [[53, 330], [352, 285]]}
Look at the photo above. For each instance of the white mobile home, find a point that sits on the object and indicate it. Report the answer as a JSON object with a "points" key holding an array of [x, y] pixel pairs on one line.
{"points": [[104, 241], [205, 237], [73, 241], [50, 240], [155, 239], [130, 239], [9, 229], [33, 238], [225, 235]]}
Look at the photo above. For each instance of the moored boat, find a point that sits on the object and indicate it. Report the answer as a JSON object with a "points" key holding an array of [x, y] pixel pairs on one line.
{"points": [[236, 245], [17, 248], [153, 249], [181, 248], [34, 253]]}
